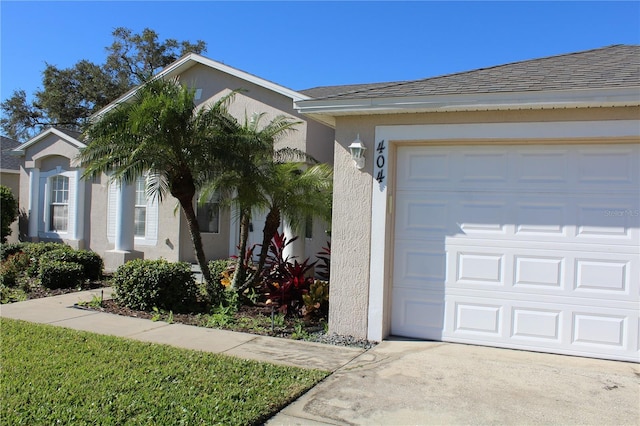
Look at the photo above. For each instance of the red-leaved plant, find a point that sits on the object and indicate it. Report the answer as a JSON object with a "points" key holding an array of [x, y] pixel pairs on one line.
{"points": [[286, 282]]}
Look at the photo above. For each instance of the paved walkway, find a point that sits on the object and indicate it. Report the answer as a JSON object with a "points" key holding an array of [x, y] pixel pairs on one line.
{"points": [[397, 382], [59, 310]]}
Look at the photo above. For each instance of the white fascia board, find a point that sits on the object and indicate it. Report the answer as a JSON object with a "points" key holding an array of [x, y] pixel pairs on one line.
{"points": [[19, 151], [474, 102], [191, 59]]}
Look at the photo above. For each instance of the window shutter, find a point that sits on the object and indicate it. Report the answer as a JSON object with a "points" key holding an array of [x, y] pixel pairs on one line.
{"points": [[152, 220], [43, 202], [112, 211], [71, 204]]}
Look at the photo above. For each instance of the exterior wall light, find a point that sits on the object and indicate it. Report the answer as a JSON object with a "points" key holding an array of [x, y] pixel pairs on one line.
{"points": [[357, 150]]}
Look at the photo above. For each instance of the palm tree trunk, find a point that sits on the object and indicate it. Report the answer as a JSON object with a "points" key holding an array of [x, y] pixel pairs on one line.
{"points": [[271, 224], [241, 273], [196, 239]]}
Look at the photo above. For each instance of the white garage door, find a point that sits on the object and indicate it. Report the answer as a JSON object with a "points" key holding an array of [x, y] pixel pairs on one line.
{"points": [[530, 247]]}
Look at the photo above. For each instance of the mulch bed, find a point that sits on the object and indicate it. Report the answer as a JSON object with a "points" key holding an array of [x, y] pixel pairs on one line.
{"points": [[38, 292], [248, 319]]}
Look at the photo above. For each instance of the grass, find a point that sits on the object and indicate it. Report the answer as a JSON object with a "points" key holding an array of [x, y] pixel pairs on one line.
{"points": [[52, 375]]}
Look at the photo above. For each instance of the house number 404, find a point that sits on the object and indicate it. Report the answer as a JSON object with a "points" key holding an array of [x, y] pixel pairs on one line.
{"points": [[380, 161]]}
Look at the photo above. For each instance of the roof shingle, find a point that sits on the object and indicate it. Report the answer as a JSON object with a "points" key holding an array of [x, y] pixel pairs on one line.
{"points": [[607, 67], [8, 161]]}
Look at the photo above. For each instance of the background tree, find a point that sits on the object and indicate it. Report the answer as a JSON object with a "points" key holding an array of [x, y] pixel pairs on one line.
{"points": [[8, 212], [70, 95], [160, 132]]}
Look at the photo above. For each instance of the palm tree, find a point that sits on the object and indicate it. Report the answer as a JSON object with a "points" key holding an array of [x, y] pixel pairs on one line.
{"points": [[295, 194], [244, 170], [163, 133]]}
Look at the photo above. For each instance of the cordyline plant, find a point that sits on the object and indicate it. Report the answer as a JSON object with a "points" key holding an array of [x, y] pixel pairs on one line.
{"points": [[286, 281]]}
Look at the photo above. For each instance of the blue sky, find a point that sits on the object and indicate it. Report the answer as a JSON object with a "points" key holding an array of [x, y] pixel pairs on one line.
{"points": [[307, 44]]}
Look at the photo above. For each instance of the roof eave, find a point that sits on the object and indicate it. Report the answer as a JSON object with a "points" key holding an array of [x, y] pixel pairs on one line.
{"points": [[183, 64], [591, 98], [20, 151]]}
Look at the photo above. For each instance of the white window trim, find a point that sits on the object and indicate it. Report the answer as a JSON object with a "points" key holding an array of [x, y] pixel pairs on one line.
{"points": [[43, 208], [152, 218]]}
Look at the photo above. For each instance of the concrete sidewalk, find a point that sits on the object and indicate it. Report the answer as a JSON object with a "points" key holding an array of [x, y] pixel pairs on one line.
{"points": [[60, 311]]}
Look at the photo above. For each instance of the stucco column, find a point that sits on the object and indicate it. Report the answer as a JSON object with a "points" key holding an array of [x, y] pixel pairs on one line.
{"points": [[34, 194], [125, 217], [78, 228], [295, 250]]}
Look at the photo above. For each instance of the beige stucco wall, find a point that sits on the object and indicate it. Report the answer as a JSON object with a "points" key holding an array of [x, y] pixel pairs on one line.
{"points": [[309, 136], [351, 226], [174, 241], [96, 203], [11, 179], [52, 152]]}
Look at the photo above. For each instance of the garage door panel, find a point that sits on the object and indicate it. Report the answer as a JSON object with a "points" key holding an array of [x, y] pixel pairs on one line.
{"points": [[534, 247], [417, 314], [612, 218], [597, 330], [535, 323], [541, 166], [421, 218], [554, 327], [532, 272], [421, 266], [548, 217], [606, 166], [477, 318], [559, 272], [526, 168], [483, 166], [476, 267]]}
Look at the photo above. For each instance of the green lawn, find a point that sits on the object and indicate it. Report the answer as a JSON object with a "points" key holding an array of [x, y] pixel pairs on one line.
{"points": [[51, 375]]}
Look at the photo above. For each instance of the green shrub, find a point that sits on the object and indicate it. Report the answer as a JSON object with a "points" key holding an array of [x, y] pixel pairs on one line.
{"points": [[12, 268], [145, 284], [8, 212], [8, 249], [217, 268], [92, 264], [57, 274], [35, 252]]}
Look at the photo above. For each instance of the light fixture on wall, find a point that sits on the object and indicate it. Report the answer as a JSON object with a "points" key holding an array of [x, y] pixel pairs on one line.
{"points": [[357, 149]]}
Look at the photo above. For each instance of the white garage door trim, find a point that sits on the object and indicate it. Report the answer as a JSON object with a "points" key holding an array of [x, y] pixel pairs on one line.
{"points": [[378, 322]]}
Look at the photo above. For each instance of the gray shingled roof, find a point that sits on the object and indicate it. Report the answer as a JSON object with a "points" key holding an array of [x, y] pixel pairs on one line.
{"points": [[607, 67], [74, 134], [7, 161], [326, 91]]}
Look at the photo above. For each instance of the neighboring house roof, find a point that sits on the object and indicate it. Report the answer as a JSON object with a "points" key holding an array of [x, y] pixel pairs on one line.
{"points": [[192, 59], [601, 77], [68, 135], [8, 161]]}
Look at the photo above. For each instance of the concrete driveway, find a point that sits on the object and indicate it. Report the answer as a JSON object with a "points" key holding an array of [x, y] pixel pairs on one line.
{"points": [[415, 383]]}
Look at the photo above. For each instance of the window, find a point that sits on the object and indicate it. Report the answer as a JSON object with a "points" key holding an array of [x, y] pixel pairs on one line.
{"points": [[208, 214], [59, 206], [140, 219], [308, 227]]}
